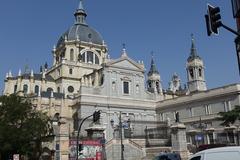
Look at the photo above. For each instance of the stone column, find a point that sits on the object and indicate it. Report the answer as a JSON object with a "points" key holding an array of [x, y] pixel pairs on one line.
{"points": [[179, 141]]}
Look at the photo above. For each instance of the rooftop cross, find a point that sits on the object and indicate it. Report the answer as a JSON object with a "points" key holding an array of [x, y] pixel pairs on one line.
{"points": [[124, 53]]}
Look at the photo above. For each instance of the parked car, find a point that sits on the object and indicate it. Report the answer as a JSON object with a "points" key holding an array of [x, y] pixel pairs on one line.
{"points": [[168, 156], [221, 153], [209, 146]]}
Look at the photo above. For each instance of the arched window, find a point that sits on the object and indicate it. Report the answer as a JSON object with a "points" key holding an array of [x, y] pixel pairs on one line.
{"points": [[83, 57], [200, 72], [75, 121], [71, 55], [57, 59], [62, 55], [137, 88], [58, 89], [114, 86], [56, 119], [149, 85], [79, 57], [49, 90], [157, 85], [96, 59], [191, 72], [25, 88], [36, 90], [15, 88], [89, 57]]}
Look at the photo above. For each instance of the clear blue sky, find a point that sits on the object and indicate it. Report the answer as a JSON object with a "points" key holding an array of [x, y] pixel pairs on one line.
{"points": [[30, 28]]}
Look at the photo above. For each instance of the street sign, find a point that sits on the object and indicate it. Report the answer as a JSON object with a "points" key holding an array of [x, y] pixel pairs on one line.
{"points": [[199, 137]]}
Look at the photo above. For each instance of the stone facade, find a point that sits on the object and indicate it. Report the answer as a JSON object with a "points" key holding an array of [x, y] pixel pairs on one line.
{"points": [[83, 79]]}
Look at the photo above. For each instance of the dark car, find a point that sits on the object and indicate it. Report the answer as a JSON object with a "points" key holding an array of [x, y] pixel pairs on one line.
{"points": [[168, 156]]}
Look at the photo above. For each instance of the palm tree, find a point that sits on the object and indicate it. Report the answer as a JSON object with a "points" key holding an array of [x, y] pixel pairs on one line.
{"points": [[230, 117]]}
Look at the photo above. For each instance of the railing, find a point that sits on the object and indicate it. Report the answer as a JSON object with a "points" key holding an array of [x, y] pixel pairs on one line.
{"points": [[135, 144]]}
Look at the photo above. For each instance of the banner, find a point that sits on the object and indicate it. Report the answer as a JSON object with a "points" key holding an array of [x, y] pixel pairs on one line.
{"points": [[91, 150]]}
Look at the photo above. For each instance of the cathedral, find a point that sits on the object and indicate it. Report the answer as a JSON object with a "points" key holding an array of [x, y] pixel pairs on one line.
{"points": [[83, 79]]}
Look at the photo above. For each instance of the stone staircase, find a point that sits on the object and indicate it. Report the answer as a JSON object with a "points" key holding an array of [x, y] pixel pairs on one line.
{"points": [[132, 151], [154, 151]]}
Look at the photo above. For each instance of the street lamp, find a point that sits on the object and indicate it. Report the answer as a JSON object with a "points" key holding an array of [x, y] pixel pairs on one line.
{"points": [[200, 125], [119, 128]]}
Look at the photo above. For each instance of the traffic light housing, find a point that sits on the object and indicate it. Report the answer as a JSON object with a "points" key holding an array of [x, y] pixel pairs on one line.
{"points": [[96, 116], [214, 19]]}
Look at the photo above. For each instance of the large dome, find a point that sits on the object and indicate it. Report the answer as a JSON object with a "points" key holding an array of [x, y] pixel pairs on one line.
{"points": [[81, 32]]}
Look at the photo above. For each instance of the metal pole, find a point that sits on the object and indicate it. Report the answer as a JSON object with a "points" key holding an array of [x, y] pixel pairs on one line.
{"points": [[238, 142], [79, 129], [121, 139], [236, 43], [238, 51], [230, 29]]}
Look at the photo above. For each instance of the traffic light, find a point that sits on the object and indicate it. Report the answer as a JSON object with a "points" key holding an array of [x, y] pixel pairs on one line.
{"points": [[96, 116], [209, 32], [122, 147], [214, 19]]}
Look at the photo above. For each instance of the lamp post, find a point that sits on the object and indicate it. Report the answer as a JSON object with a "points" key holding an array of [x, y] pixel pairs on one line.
{"points": [[200, 125], [119, 127], [238, 140], [56, 129]]}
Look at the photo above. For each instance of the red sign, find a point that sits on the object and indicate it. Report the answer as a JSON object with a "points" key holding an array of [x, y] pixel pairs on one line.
{"points": [[99, 156]]}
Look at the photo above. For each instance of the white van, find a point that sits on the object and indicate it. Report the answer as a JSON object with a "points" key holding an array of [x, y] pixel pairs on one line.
{"points": [[222, 153]]}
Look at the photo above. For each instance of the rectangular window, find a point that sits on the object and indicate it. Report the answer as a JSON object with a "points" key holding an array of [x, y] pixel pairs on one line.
{"points": [[70, 71], [126, 87]]}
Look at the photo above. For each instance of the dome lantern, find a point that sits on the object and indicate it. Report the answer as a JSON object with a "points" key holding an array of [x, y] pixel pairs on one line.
{"points": [[80, 14]]}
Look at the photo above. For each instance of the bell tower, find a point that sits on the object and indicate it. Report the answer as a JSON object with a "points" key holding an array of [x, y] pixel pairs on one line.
{"points": [[154, 81], [195, 71]]}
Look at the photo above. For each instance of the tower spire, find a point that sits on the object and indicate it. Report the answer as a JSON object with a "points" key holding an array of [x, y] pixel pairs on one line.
{"points": [[80, 14], [193, 52], [153, 68], [80, 6], [193, 48]]}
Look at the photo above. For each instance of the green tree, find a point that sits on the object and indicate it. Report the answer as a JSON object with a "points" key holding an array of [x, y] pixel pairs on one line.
{"points": [[22, 127], [230, 117]]}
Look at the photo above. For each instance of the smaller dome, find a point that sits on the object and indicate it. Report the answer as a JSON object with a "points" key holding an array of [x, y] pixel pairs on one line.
{"points": [[81, 32]]}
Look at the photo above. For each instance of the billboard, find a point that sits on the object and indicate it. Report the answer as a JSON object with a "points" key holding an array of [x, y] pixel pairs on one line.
{"points": [[91, 150]]}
